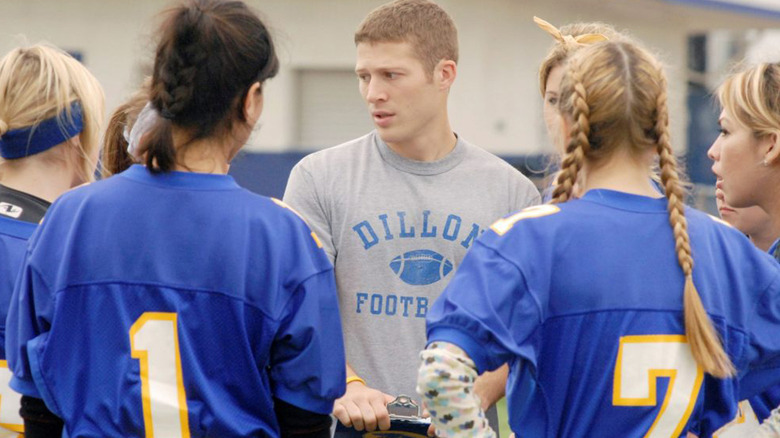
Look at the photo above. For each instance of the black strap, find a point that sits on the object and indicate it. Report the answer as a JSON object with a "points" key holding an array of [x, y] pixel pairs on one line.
{"points": [[39, 422], [295, 422], [22, 206]]}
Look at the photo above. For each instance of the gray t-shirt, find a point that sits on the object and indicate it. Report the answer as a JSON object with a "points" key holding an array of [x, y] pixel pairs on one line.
{"points": [[396, 230]]}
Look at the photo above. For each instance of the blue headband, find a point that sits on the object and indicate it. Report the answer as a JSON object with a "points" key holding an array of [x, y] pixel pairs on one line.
{"points": [[24, 142]]}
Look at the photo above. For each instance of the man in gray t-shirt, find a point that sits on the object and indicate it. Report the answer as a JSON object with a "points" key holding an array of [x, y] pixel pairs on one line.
{"points": [[397, 209]]}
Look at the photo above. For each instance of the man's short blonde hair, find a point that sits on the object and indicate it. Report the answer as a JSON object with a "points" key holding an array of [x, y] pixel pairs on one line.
{"points": [[421, 23]]}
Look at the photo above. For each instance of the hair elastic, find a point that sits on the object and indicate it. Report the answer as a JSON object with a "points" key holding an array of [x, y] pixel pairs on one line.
{"points": [[589, 38], [143, 123], [20, 143]]}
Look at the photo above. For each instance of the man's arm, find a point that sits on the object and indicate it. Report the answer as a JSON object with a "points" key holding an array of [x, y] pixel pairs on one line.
{"points": [[362, 407], [302, 196]]}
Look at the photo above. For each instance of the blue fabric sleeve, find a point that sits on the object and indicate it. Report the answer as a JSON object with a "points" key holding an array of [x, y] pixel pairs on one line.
{"points": [[465, 341], [28, 317], [40, 383], [308, 368], [764, 403], [763, 352], [487, 310]]}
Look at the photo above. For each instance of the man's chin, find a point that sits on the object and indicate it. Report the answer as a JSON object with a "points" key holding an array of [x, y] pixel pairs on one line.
{"points": [[387, 135]]}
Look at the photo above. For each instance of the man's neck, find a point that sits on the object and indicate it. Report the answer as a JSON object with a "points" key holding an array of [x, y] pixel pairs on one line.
{"points": [[428, 147]]}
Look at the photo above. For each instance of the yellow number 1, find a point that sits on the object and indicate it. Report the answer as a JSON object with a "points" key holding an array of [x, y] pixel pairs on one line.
{"points": [[154, 341], [641, 361]]}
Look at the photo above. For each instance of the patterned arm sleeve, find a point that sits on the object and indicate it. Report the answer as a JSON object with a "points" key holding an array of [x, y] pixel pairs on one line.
{"points": [[770, 428], [446, 384]]}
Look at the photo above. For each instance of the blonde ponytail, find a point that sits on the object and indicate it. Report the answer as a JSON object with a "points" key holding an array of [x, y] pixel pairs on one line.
{"points": [[704, 341]]}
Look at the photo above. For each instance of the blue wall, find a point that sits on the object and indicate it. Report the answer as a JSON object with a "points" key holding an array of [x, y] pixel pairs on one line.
{"points": [[703, 129]]}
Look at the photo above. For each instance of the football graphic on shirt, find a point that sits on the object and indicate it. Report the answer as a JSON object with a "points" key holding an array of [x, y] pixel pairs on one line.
{"points": [[421, 267]]}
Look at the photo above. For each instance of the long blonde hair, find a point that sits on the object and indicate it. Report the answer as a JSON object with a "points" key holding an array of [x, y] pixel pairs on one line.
{"points": [[42, 81], [752, 96], [615, 94]]}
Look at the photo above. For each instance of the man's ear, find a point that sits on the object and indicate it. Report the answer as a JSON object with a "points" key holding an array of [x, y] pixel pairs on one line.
{"points": [[446, 71], [253, 102]]}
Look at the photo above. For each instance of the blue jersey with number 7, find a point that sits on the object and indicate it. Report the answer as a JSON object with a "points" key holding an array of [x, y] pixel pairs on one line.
{"points": [[585, 301]]}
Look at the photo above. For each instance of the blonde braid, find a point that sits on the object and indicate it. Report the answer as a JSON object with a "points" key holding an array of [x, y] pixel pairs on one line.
{"points": [[705, 344], [579, 144]]}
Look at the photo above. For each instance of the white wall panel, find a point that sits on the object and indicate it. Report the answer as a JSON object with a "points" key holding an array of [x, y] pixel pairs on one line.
{"points": [[494, 103]]}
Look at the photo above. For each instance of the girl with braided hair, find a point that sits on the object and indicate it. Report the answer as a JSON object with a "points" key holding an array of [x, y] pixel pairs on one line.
{"points": [[594, 301], [213, 313]]}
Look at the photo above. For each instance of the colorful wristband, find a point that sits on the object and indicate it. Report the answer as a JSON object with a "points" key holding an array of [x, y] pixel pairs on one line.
{"points": [[351, 379]]}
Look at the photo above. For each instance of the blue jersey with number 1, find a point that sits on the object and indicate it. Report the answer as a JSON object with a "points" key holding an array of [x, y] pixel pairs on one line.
{"points": [[585, 301], [174, 305]]}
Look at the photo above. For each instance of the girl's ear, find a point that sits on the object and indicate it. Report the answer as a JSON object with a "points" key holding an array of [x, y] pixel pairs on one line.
{"points": [[253, 102], [772, 154]]}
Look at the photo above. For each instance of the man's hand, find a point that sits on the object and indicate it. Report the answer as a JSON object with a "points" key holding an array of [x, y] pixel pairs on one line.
{"points": [[363, 408]]}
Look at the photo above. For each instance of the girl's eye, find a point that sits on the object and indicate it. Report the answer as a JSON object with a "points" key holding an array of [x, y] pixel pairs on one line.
{"points": [[552, 100]]}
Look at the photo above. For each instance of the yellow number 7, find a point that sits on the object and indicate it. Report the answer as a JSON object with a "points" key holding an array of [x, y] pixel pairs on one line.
{"points": [[502, 226], [641, 361]]}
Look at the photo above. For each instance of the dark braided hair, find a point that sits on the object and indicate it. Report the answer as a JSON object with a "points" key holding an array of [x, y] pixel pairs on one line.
{"points": [[210, 53]]}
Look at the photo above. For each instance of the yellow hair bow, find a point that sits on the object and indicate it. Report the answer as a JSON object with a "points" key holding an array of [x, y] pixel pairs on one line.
{"points": [[588, 38]]}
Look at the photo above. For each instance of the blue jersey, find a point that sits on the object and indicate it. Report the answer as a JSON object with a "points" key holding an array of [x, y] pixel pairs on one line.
{"points": [[764, 403], [585, 302], [13, 242], [176, 304]]}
